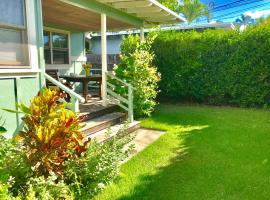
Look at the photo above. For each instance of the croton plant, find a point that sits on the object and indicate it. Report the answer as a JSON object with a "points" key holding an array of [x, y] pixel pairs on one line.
{"points": [[51, 134]]}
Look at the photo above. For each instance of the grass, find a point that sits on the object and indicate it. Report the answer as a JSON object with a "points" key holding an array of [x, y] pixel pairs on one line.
{"points": [[207, 153]]}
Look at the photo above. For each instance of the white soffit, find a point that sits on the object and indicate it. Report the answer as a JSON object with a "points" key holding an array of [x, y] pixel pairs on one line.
{"points": [[151, 11]]}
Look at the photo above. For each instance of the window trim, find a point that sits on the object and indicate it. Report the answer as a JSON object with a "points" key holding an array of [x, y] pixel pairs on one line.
{"points": [[55, 30], [29, 24]]}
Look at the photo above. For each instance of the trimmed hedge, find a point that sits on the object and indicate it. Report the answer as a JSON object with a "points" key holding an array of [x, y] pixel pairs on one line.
{"points": [[216, 66]]}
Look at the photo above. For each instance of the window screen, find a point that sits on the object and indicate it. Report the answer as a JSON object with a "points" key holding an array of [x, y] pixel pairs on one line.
{"points": [[13, 35]]}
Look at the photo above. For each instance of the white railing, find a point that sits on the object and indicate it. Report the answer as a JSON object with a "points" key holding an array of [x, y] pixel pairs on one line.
{"points": [[125, 102], [75, 98]]}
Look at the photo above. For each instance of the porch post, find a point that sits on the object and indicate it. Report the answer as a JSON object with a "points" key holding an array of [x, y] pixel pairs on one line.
{"points": [[104, 58], [142, 34], [40, 48]]}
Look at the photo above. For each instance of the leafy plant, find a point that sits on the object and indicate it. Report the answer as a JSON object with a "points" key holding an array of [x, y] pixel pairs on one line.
{"points": [[51, 134], [136, 67], [99, 165], [13, 166], [49, 188]]}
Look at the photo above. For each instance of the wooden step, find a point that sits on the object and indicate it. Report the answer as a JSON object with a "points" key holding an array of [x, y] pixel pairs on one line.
{"points": [[100, 136], [103, 122], [94, 111]]}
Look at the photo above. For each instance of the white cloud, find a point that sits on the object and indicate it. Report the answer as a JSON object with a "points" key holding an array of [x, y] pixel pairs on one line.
{"points": [[257, 14]]}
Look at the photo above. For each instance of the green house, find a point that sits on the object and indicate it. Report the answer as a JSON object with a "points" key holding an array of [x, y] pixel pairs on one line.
{"points": [[38, 35]]}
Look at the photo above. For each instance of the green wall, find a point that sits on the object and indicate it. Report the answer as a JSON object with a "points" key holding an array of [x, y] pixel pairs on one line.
{"points": [[13, 91]]}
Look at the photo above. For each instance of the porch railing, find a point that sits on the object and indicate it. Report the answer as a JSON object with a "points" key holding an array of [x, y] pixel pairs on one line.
{"points": [[75, 98], [124, 101]]}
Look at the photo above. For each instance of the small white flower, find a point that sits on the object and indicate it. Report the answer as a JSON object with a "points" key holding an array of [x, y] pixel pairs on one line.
{"points": [[101, 186]]}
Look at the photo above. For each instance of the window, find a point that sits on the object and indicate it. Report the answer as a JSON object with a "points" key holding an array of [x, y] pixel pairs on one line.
{"points": [[56, 47], [13, 34]]}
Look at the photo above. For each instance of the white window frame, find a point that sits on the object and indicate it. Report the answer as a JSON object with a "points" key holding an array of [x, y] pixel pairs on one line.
{"points": [[33, 66], [58, 66]]}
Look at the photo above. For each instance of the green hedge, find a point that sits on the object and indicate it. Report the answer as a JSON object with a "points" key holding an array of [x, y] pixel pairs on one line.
{"points": [[216, 67]]}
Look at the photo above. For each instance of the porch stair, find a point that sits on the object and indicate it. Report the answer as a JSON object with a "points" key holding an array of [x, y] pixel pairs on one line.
{"points": [[99, 118]]}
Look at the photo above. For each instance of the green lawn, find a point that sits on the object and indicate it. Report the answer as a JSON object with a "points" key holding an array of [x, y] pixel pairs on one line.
{"points": [[207, 153]]}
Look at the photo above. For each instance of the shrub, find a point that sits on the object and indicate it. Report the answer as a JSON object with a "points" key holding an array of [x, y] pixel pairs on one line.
{"points": [[14, 167], [136, 67], [215, 66], [48, 188], [51, 133], [99, 165]]}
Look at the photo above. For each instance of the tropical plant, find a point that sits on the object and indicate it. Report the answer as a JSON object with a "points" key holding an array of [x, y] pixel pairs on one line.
{"points": [[244, 21], [51, 133], [99, 165], [136, 67], [193, 9]]}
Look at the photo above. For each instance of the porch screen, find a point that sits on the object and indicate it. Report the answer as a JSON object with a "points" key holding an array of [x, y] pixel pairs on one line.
{"points": [[56, 47], [13, 34]]}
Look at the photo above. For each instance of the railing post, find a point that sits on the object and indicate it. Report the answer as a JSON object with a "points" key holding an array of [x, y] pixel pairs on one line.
{"points": [[130, 103], [75, 104], [142, 34], [104, 58]]}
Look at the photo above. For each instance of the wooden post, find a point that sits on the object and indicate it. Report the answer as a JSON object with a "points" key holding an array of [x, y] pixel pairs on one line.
{"points": [[130, 103], [142, 34], [104, 58]]}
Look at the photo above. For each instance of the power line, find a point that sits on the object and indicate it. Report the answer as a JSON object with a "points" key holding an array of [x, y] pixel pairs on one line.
{"points": [[242, 10], [228, 15], [234, 4], [248, 2]]}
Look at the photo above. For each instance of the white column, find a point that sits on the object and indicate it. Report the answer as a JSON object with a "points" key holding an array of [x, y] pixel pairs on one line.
{"points": [[104, 58], [142, 34]]}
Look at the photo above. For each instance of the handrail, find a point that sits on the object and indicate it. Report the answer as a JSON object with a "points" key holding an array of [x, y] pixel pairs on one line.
{"points": [[129, 101], [75, 98], [116, 78]]}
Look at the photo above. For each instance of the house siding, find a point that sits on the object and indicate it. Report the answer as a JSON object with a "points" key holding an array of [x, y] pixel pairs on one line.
{"points": [[13, 91]]}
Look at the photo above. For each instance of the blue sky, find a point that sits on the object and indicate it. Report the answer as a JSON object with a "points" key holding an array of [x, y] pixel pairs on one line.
{"points": [[230, 10]]}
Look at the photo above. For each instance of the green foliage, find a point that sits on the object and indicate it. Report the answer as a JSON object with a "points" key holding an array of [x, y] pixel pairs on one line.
{"points": [[51, 134], [193, 9], [13, 166], [171, 4], [99, 165], [47, 188], [216, 66], [4, 191], [136, 67]]}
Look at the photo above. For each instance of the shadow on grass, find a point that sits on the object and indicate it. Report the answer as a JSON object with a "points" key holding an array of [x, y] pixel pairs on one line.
{"points": [[167, 181]]}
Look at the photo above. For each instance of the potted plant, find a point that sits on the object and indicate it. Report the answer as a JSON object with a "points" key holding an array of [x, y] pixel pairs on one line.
{"points": [[87, 67]]}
